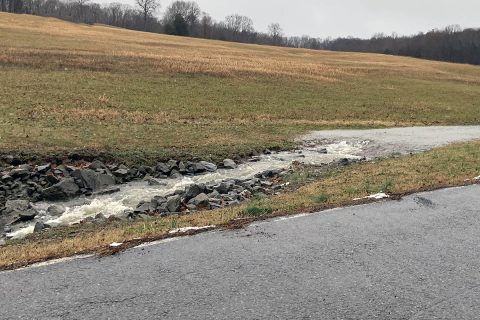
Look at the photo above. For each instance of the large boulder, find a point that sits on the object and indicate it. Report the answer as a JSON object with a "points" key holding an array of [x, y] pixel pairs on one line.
{"points": [[63, 190], [92, 180]]}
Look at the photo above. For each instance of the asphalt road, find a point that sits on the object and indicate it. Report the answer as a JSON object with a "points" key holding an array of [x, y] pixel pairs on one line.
{"points": [[418, 258]]}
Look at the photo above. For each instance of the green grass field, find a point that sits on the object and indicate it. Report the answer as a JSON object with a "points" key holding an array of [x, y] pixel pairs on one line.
{"points": [[141, 96]]}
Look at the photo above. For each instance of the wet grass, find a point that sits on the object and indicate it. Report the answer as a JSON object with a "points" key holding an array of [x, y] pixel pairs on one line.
{"points": [[139, 97], [447, 166]]}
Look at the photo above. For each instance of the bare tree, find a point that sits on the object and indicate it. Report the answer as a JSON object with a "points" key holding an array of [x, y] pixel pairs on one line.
{"points": [[276, 33], [206, 23], [188, 10], [147, 8]]}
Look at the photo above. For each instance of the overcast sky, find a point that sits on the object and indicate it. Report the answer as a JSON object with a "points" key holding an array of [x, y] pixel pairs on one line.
{"points": [[360, 18]]}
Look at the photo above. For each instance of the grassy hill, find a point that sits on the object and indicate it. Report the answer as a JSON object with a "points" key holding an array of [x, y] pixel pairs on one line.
{"points": [[66, 86]]}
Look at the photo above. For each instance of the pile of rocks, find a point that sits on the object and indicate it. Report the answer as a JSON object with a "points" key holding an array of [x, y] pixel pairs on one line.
{"points": [[198, 197], [22, 184]]}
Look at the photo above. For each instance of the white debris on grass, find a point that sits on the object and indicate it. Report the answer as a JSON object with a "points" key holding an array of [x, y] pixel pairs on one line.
{"points": [[376, 196], [187, 229], [477, 178], [116, 244]]}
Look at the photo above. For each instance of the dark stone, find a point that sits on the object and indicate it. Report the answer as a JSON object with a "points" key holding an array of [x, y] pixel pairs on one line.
{"points": [[343, 162], [55, 210], [39, 226], [17, 205], [19, 173], [63, 190], [97, 164], [163, 168], [121, 173], [154, 182], [110, 190], [194, 190], [93, 180], [175, 174], [6, 178], [224, 187], [100, 217], [210, 167], [201, 202], [52, 179], [172, 165], [143, 208], [174, 204]]}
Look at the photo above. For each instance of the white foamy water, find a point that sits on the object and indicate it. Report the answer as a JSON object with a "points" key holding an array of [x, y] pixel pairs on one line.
{"points": [[131, 194]]}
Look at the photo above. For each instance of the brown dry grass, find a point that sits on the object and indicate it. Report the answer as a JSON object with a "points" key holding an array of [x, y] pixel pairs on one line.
{"points": [[447, 166], [143, 96]]}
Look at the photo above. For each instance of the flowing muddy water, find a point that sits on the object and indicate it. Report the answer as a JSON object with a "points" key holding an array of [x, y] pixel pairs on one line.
{"points": [[339, 144], [131, 194]]}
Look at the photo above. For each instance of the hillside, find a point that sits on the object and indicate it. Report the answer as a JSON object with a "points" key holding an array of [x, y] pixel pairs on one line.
{"points": [[66, 86]]}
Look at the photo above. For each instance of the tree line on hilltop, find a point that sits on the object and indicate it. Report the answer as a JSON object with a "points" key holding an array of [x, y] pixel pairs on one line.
{"points": [[185, 18]]}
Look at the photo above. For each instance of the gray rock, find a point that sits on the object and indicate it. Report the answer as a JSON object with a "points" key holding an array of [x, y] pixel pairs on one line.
{"points": [[224, 187], [174, 204], [143, 208], [52, 179], [55, 210], [19, 173], [17, 205], [26, 215], [175, 174], [6, 178], [94, 180], [266, 183], [2, 242], [194, 190], [208, 166], [121, 173], [154, 182], [39, 226], [200, 202], [97, 164], [214, 194], [109, 190], [163, 168], [100, 217], [63, 190], [229, 164], [245, 194], [172, 165]]}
